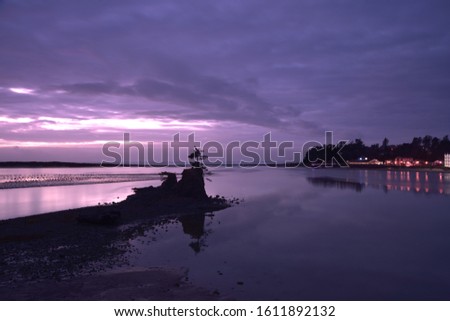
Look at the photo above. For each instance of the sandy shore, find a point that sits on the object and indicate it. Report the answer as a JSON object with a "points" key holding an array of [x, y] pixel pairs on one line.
{"points": [[127, 285], [53, 256]]}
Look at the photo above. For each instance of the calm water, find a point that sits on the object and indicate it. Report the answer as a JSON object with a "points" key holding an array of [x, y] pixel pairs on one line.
{"points": [[17, 199], [299, 236], [302, 234]]}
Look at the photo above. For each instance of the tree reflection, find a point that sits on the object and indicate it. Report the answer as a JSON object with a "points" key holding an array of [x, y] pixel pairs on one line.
{"points": [[336, 182]]}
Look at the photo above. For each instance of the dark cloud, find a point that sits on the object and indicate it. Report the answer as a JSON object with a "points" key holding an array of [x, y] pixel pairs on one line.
{"points": [[374, 69]]}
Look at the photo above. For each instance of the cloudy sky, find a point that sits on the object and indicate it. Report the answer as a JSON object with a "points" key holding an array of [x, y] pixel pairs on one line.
{"points": [[76, 74]]}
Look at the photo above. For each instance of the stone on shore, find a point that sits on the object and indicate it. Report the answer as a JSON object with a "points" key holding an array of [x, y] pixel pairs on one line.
{"points": [[192, 184]]}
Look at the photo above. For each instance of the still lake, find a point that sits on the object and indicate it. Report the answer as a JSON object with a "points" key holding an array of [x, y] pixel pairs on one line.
{"points": [[296, 234]]}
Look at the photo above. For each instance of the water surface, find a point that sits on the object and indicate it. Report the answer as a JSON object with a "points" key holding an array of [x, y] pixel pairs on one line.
{"points": [[30, 191], [298, 234], [382, 236]]}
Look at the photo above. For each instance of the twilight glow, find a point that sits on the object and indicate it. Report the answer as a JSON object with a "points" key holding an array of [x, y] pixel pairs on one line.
{"points": [[119, 125], [23, 91], [80, 73]]}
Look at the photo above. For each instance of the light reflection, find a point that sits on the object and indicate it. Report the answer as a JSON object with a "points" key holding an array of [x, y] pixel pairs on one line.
{"points": [[408, 181], [412, 181], [400, 180], [447, 177]]}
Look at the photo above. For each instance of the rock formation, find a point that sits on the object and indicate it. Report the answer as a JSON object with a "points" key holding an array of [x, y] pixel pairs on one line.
{"points": [[192, 184], [187, 195]]}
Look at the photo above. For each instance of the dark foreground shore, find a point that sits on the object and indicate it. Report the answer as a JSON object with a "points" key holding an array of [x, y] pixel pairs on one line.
{"points": [[123, 285], [81, 254]]}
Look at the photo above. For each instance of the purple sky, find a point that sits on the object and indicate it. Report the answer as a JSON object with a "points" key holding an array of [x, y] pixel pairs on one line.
{"points": [[74, 74]]}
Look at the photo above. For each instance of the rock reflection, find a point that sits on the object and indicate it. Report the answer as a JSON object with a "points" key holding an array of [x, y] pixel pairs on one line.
{"points": [[194, 225]]}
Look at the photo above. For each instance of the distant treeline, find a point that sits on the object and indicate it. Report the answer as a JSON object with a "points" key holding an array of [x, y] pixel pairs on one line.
{"points": [[44, 164], [55, 164], [425, 148]]}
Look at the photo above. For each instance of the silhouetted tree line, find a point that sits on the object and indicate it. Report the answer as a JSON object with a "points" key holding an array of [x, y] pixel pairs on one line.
{"points": [[425, 148]]}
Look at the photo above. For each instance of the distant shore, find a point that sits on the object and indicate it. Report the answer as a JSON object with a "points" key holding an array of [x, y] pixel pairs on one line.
{"points": [[57, 164], [415, 168], [45, 164]]}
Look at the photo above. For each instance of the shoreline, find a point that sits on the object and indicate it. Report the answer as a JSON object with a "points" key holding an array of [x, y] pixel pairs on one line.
{"points": [[53, 183], [44, 255], [384, 167], [362, 167], [133, 284]]}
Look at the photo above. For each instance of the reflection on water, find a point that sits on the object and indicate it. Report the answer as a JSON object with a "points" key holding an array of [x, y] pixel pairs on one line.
{"points": [[336, 182], [418, 182], [18, 202], [295, 238], [194, 225], [43, 180], [388, 180], [21, 202]]}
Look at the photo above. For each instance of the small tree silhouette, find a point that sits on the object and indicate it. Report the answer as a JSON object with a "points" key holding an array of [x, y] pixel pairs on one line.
{"points": [[196, 159]]}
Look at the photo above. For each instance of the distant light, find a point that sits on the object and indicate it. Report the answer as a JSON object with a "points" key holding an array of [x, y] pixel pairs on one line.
{"points": [[23, 91]]}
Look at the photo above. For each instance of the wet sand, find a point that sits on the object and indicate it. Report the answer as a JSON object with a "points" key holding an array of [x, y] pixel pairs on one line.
{"points": [[54, 256], [127, 285]]}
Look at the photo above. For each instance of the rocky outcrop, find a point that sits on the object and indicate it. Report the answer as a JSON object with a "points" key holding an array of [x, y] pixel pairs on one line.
{"points": [[191, 184], [103, 216], [187, 195], [170, 181]]}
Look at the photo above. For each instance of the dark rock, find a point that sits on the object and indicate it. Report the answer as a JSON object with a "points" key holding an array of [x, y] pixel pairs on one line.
{"points": [[193, 225], [110, 217], [170, 181], [192, 184], [186, 196]]}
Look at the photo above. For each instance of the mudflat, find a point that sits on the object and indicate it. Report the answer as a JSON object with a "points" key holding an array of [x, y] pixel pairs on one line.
{"points": [[81, 254]]}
